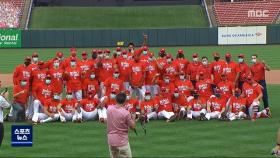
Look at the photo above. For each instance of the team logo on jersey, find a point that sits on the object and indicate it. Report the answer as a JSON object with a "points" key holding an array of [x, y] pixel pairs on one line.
{"points": [[115, 86], [164, 101], [107, 66], [151, 68], [26, 74], [53, 109], [217, 68], [41, 76], [197, 106], [202, 87], [90, 106], [57, 75], [124, 65], [68, 107], [46, 92], [249, 92], [236, 106], [74, 74], [182, 88], [216, 106], [227, 70], [84, 67], [148, 108], [136, 69], [170, 69], [224, 88], [91, 87]]}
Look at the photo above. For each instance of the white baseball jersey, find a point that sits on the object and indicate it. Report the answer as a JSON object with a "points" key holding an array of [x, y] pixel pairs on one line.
{"points": [[3, 104]]}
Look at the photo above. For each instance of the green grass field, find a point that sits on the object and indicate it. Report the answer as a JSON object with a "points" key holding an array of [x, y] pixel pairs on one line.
{"points": [[178, 139], [9, 58], [119, 17]]}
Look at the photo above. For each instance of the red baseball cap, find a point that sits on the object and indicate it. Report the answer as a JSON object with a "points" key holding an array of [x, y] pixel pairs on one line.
{"points": [[34, 54], [99, 51], [168, 56], [163, 89], [72, 59], [241, 55], [216, 54], [59, 54], [107, 51], [147, 92], [176, 90], [48, 76], [93, 51], [84, 53], [73, 49], [145, 48], [27, 59], [124, 51], [180, 51], [195, 55], [228, 55], [40, 62], [118, 49], [162, 50]]}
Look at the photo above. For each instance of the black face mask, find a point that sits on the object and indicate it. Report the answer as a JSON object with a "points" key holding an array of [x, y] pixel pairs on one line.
{"points": [[227, 59], [216, 58], [161, 55], [26, 63], [129, 49], [218, 95], [195, 96], [94, 56], [236, 94], [180, 55]]}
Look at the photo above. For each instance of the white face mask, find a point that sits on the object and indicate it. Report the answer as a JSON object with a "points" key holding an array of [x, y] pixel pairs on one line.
{"points": [[56, 64], [147, 97], [166, 80], [56, 97], [205, 62], [113, 96], [128, 97], [169, 60], [92, 76], [100, 55], [69, 96], [240, 60], [195, 59], [124, 56], [182, 77], [116, 75], [35, 59], [150, 59], [254, 61], [176, 95], [73, 63], [119, 53], [48, 81], [145, 52], [107, 56], [23, 83]]}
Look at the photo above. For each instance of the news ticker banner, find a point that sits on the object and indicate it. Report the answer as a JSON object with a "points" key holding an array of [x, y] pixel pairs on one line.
{"points": [[21, 136], [242, 35], [10, 38]]}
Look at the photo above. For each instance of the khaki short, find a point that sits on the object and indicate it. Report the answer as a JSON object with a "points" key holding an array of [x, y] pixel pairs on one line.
{"points": [[120, 152]]}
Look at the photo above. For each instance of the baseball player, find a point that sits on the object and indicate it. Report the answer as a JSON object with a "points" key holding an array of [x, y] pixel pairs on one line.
{"points": [[244, 70], [165, 107], [58, 59], [205, 68], [161, 60], [184, 85], [171, 68], [231, 69], [49, 110], [91, 84], [68, 111], [152, 70], [85, 65], [148, 107], [192, 68], [73, 76], [73, 56], [22, 72], [113, 84], [237, 106], [88, 107], [196, 107], [166, 82], [34, 61], [180, 103], [253, 92], [106, 101], [217, 67], [145, 54], [227, 87], [56, 73], [204, 87], [181, 61], [132, 105], [216, 106]]}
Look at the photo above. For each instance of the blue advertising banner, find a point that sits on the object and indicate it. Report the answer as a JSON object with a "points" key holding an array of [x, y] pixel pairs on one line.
{"points": [[21, 135]]}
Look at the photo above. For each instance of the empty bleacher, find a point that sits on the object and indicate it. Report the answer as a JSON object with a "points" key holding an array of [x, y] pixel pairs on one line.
{"points": [[10, 13]]}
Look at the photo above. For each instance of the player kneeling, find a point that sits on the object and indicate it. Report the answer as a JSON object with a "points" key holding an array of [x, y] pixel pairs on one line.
{"points": [[236, 106], [216, 107], [132, 105], [196, 107], [148, 108], [49, 112], [88, 107], [104, 103], [68, 110]]}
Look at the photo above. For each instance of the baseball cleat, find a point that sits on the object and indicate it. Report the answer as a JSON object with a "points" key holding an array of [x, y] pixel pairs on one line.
{"points": [[268, 112], [276, 151]]}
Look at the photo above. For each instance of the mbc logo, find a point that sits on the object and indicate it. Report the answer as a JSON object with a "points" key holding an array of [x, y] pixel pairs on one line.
{"points": [[258, 13]]}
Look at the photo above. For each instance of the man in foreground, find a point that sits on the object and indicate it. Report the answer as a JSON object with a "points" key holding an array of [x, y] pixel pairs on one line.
{"points": [[118, 122], [276, 149]]}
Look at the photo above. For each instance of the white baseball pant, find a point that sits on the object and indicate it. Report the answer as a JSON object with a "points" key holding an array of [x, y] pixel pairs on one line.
{"points": [[165, 115], [89, 115], [196, 114], [232, 116], [152, 88], [102, 113], [152, 116], [42, 117], [213, 115]]}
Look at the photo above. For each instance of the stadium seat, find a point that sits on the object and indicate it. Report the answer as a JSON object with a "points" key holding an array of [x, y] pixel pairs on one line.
{"points": [[10, 13]]}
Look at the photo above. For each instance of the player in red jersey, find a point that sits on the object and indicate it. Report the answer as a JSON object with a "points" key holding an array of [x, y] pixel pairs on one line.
{"points": [[91, 84], [184, 85], [113, 84], [192, 69], [196, 107], [171, 68], [124, 66], [49, 112], [68, 110], [166, 82], [205, 68], [152, 70], [180, 104], [181, 61], [217, 67], [85, 65], [132, 105], [56, 74], [88, 107], [106, 101], [227, 87], [22, 72], [34, 62], [203, 87], [236, 106], [67, 61], [148, 107], [231, 69], [216, 106], [244, 70], [50, 63]]}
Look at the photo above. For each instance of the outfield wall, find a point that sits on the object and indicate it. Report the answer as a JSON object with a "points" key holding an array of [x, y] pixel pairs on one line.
{"points": [[157, 37]]}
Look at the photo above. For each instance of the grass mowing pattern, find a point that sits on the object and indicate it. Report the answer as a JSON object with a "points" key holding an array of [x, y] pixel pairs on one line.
{"points": [[178, 139], [9, 58], [119, 17]]}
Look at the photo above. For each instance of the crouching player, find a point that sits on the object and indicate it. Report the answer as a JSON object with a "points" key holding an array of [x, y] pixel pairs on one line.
{"points": [[236, 106], [196, 107], [179, 104], [148, 108], [104, 103], [88, 107], [49, 112], [216, 106], [165, 107], [132, 105], [68, 108]]}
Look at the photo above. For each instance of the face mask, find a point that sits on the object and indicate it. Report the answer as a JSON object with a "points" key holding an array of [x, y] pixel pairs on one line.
{"points": [[204, 62], [150, 59], [56, 64], [236, 94], [124, 56], [240, 60], [48, 81], [195, 96], [128, 97], [116, 75], [119, 53], [26, 63], [195, 59], [161, 55], [216, 58], [182, 77], [107, 56], [92, 76], [145, 52], [176, 95], [169, 60], [23, 83], [73, 55], [100, 55], [84, 57], [227, 59], [69, 96], [147, 97], [73, 64], [113, 96], [56, 97], [181, 55], [35, 59], [166, 80], [90, 96], [94, 56], [254, 61], [218, 95]]}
